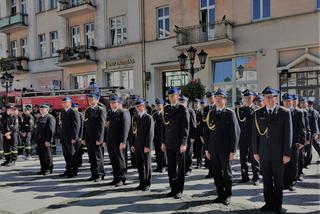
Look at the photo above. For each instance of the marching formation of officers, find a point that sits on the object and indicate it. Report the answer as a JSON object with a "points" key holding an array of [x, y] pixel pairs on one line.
{"points": [[276, 140]]}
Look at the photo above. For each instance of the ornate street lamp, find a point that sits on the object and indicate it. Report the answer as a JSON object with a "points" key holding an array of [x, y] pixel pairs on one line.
{"points": [[202, 55], [6, 79]]}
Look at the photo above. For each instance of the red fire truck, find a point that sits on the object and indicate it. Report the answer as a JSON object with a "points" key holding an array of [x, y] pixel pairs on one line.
{"points": [[54, 97]]}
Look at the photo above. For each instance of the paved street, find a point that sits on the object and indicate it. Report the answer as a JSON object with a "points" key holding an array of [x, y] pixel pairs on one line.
{"points": [[21, 191]]}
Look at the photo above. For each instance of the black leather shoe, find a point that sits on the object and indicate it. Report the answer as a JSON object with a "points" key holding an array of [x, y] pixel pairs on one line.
{"points": [[291, 188], [71, 175], [209, 176], [266, 208], [97, 179], [227, 201], [66, 173], [188, 173], [5, 163], [91, 178], [256, 183], [119, 183], [178, 195], [47, 172], [171, 194], [244, 180], [279, 210], [123, 180], [218, 200], [145, 188], [139, 187], [40, 173]]}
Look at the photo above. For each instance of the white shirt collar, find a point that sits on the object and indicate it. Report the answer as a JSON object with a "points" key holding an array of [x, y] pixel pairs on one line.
{"points": [[272, 109], [220, 109], [141, 113]]}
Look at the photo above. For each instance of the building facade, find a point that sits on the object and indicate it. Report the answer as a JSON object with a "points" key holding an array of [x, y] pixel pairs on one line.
{"points": [[250, 44], [134, 44]]}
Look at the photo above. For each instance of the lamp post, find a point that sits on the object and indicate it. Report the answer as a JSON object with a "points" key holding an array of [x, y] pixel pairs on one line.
{"points": [[192, 52], [6, 79]]}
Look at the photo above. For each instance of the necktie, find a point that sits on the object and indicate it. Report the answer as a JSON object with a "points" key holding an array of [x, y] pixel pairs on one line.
{"points": [[270, 112], [219, 112]]}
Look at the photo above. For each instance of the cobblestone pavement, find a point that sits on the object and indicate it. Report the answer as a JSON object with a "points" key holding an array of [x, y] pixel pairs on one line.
{"points": [[22, 191]]}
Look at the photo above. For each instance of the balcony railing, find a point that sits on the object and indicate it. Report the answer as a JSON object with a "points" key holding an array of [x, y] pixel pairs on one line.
{"points": [[14, 63], [13, 22], [203, 33], [68, 4], [76, 55]]}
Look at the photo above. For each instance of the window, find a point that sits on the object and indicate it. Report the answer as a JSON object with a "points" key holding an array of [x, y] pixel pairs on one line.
{"points": [[41, 7], [82, 81], [163, 22], [13, 7], [89, 34], [121, 79], [54, 43], [261, 9], [42, 45], [75, 36], [207, 18], [75, 2], [52, 4], [118, 30], [13, 48], [23, 6], [318, 4], [235, 75], [24, 47]]}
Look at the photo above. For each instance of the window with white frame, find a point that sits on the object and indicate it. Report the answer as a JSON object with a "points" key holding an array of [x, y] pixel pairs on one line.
{"points": [[13, 48], [41, 6], [75, 36], [75, 2], [24, 47], [52, 4], [207, 18], [42, 46], [13, 4], [261, 9], [89, 36], [163, 22], [23, 6], [120, 79], [235, 75], [54, 43], [118, 30], [81, 81]]}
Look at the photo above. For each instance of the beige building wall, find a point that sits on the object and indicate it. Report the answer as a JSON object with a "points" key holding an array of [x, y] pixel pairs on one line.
{"points": [[292, 25]]}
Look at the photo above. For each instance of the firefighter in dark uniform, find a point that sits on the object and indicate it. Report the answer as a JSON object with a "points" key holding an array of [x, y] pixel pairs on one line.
{"points": [[272, 138], [258, 100], [220, 148], [2, 112], [192, 129], [69, 125], [10, 131], [133, 111], [198, 144], [116, 138], [93, 134], [303, 103], [81, 148], [54, 143], [245, 118], [313, 116], [44, 133], [299, 137], [143, 132], [175, 140], [316, 141], [205, 135], [161, 158], [26, 129]]}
